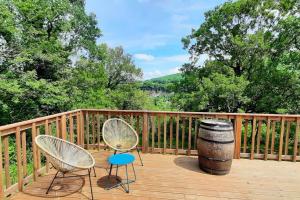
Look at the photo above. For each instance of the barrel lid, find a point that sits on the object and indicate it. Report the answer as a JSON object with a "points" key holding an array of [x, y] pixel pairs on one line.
{"points": [[216, 123]]}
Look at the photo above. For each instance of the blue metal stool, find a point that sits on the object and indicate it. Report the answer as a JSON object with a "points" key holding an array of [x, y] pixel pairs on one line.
{"points": [[120, 160]]}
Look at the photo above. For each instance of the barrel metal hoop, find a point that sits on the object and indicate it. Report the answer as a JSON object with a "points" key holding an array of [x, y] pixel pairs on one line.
{"points": [[221, 130], [224, 124], [215, 159], [219, 142]]}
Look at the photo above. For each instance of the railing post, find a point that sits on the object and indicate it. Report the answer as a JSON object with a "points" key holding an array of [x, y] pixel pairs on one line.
{"points": [[34, 150], [78, 129], [1, 170], [145, 133], [63, 122], [19, 159], [297, 131], [238, 134], [82, 128], [46, 133]]}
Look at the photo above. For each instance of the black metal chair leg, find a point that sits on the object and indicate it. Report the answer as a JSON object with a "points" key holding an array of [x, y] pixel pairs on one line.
{"points": [[94, 172], [52, 182], [89, 170], [133, 171], [137, 149], [127, 179]]}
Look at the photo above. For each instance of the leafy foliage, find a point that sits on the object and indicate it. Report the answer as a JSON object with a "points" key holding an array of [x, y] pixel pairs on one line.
{"points": [[257, 40], [50, 62]]}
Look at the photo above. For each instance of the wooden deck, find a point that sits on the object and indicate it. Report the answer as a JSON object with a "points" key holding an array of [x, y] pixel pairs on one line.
{"points": [[178, 177]]}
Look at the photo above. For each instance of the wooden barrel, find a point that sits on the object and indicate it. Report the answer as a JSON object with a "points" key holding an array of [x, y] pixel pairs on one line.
{"points": [[215, 143]]}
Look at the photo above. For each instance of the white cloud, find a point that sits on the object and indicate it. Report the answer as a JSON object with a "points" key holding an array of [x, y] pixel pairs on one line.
{"points": [[176, 58], [144, 57], [152, 74], [174, 70]]}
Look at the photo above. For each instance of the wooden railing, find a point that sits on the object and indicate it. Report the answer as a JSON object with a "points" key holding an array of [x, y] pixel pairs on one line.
{"points": [[257, 136]]}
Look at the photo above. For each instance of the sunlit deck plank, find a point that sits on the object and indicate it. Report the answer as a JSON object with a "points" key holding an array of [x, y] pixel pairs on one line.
{"points": [[178, 177]]}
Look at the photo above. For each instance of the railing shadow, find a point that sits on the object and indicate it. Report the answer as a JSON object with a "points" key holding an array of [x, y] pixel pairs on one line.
{"points": [[61, 187], [189, 163]]}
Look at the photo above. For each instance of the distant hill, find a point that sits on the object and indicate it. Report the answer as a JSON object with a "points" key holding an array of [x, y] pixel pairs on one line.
{"points": [[167, 78], [161, 84]]}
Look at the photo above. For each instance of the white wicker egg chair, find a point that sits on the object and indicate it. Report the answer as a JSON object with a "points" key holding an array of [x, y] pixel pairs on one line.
{"points": [[65, 157], [120, 136]]}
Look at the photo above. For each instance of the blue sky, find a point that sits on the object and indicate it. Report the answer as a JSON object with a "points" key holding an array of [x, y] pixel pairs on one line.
{"points": [[150, 30]]}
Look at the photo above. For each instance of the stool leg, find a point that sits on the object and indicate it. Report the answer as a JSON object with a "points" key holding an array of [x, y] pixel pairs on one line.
{"points": [[110, 170], [127, 180], [133, 171], [117, 171]]}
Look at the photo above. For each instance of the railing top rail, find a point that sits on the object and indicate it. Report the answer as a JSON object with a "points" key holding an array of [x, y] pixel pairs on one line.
{"points": [[22, 123], [36, 120], [195, 113]]}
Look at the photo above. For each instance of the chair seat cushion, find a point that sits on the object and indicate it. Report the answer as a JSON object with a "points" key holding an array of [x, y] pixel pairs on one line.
{"points": [[121, 159]]}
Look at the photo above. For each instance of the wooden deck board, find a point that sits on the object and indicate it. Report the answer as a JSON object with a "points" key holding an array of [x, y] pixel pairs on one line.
{"points": [[178, 177]]}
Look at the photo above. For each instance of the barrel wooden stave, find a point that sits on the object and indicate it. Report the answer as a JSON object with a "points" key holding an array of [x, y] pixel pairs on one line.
{"points": [[215, 147]]}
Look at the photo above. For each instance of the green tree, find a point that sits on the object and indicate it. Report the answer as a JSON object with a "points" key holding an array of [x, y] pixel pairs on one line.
{"points": [[38, 41], [259, 41], [120, 68]]}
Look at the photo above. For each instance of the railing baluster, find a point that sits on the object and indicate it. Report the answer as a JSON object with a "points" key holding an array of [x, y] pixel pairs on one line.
{"points": [[78, 128], [93, 130], [281, 138], [19, 159], [57, 127], [190, 137], [98, 131], [177, 133], [24, 153], [34, 150], [238, 135], [71, 127], [196, 133], [158, 131], [273, 136], [183, 133], [47, 133], [287, 135], [131, 119], [253, 137], [87, 118], [297, 131], [153, 131], [6, 161], [138, 125], [258, 137], [267, 138], [171, 132], [165, 133], [63, 122], [245, 136], [38, 152], [145, 133]]}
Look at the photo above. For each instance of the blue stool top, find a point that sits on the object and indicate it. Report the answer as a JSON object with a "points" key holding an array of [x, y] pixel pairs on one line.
{"points": [[121, 159]]}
